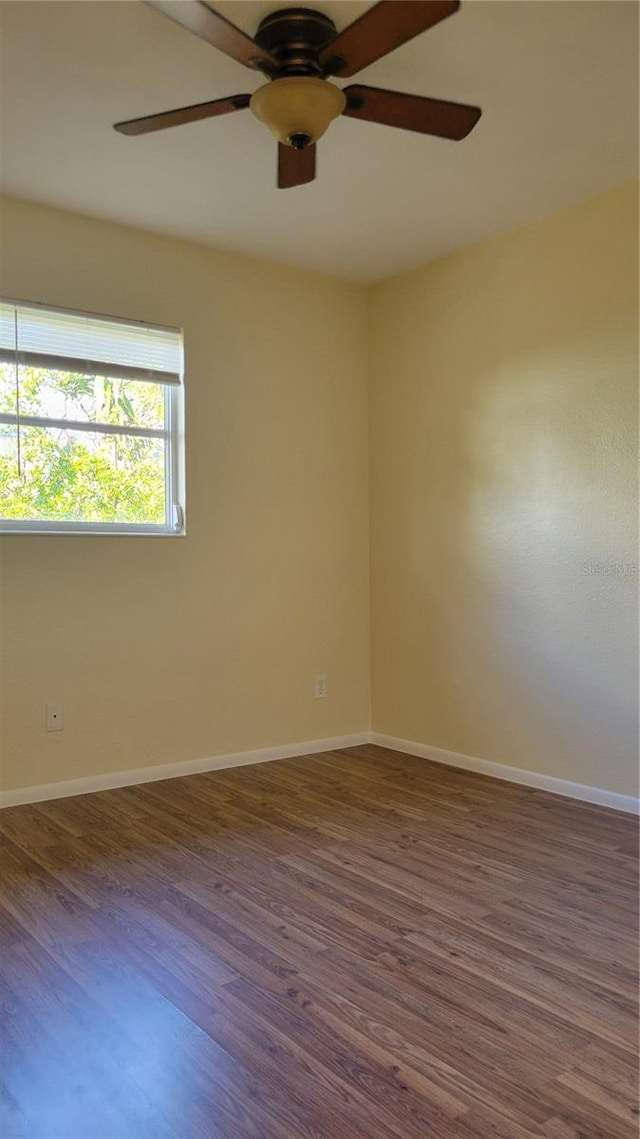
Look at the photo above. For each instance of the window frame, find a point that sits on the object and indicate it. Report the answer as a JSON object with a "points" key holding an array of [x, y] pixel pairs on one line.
{"points": [[172, 433]]}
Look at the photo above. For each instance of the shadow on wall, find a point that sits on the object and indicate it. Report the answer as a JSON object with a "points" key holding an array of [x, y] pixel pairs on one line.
{"points": [[526, 584]]}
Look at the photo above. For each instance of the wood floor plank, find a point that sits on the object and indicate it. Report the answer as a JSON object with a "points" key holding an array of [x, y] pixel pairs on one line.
{"points": [[353, 945], [63, 1078]]}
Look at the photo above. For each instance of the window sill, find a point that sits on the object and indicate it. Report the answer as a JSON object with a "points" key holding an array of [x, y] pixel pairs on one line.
{"points": [[104, 531]]}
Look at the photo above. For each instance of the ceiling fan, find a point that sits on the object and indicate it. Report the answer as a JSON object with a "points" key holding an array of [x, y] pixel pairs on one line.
{"points": [[296, 49]]}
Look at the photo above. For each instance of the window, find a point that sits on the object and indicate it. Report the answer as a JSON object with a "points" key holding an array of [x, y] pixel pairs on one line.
{"points": [[91, 423]]}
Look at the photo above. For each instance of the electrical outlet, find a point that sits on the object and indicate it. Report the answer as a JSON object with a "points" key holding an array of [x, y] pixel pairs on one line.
{"points": [[321, 686], [54, 717]]}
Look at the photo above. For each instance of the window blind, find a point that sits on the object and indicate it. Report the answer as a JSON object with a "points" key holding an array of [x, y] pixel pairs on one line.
{"points": [[92, 345]]}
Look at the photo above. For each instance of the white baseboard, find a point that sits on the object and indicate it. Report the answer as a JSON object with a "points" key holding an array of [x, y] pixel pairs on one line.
{"points": [[513, 774], [132, 776], [111, 779]]}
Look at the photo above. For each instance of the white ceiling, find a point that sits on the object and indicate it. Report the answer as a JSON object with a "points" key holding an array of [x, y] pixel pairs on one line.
{"points": [[557, 81]]}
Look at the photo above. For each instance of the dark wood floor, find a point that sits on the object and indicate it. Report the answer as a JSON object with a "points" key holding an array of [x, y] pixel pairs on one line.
{"points": [[358, 945]]}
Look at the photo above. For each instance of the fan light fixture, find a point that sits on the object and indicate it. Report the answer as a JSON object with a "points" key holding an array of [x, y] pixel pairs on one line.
{"points": [[297, 49], [298, 109]]}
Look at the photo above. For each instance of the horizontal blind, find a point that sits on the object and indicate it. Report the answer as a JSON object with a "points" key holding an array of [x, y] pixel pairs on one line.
{"points": [[91, 345]]}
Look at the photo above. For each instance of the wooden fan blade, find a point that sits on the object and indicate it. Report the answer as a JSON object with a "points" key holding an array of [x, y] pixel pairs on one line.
{"points": [[295, 167], [382, 29], [410, 112], [182, 115], [209, 25]]}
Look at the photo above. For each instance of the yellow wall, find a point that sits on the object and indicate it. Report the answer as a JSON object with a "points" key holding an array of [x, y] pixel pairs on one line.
{"points": [[167, 649], [502, 410], [503, 497]]}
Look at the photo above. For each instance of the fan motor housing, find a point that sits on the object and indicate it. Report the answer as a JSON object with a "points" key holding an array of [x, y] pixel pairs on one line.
{"points": [[295, 38]]}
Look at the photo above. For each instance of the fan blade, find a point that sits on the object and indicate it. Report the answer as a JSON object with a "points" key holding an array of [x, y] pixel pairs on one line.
{"points": [[410, 112], [176, 118], [295, 167], [380, 30], [209, 25]]}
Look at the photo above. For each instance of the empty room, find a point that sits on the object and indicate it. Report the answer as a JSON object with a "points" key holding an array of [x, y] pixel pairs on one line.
{"points": [[319, 569]]}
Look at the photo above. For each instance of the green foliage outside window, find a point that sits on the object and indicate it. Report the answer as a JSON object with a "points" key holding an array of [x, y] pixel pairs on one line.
{"points": [[55, 474]]}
